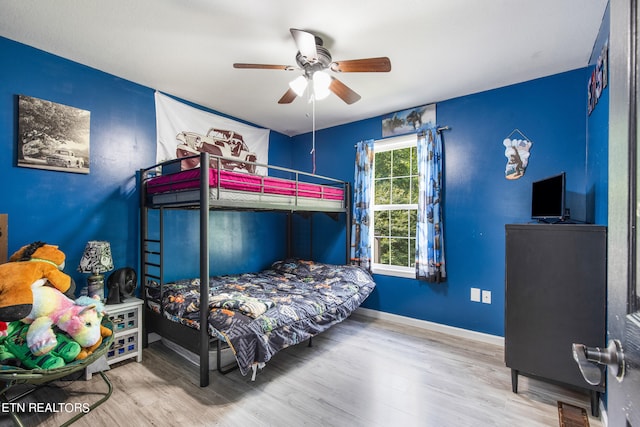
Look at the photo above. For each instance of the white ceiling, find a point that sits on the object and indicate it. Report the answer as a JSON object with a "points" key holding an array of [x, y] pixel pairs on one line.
{"points": [[439, 49]]}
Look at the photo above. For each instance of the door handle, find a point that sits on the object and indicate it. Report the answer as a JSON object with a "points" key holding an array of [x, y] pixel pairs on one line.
{"points": [[588, 359]]}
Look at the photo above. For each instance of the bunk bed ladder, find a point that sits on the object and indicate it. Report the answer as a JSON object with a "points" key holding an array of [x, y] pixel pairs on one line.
{"points": [[152, 254], [150, 251]]}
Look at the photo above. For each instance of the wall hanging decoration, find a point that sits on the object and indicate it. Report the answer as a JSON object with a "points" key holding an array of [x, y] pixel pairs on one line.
{"points": [[517, 153], [184, 131], [409, 120], [599, 78], [52, 136]]}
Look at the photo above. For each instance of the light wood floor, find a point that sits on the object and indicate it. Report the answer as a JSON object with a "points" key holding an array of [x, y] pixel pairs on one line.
{"points": [[362, 372]]}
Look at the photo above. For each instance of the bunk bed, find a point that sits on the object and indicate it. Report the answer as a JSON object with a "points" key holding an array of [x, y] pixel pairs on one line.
{"points": [[255, 314]]}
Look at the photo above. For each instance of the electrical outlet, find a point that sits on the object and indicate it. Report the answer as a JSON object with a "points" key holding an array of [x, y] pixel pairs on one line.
{"points": [[475, 294], [486, 297]]}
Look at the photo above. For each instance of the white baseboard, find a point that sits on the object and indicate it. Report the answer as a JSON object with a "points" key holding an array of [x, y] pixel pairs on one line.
{"points": [[604, 419], [431, 326]]}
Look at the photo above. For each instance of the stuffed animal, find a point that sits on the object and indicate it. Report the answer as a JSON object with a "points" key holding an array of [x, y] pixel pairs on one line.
{"points": [[80, 318], [14, 350], [29, 264], [88, 351]]}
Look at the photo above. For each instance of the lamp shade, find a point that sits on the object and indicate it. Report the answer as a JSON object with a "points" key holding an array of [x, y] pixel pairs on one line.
{"points": [[321, 83], [96, 258], [298, 85]]}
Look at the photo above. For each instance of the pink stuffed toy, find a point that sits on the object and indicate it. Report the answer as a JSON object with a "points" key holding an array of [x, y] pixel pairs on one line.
{"points": [[80, 319]]}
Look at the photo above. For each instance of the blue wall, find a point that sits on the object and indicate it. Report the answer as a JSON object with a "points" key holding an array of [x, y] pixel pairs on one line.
{"points": [[69, 209], [478, 199], [598, 139]]}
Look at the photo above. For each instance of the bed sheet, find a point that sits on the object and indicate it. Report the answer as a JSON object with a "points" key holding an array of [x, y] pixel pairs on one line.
{"points": [[240, 181], [259, 314]]}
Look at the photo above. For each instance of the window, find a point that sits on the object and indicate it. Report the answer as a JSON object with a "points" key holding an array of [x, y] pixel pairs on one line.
{"points": [[394, 206]]}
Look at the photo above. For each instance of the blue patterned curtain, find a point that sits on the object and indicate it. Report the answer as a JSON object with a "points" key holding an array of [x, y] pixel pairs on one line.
{"points": [[360, 244], [430, 265]]}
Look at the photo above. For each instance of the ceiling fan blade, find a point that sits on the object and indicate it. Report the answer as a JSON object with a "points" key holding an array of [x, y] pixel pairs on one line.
{"points": [[343, 91], [264, 66], [288, 97], [367, 65], [306, 43]]}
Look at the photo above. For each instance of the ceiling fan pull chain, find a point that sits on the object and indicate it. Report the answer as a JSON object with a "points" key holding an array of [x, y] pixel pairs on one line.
{"points": [[313, 133]]}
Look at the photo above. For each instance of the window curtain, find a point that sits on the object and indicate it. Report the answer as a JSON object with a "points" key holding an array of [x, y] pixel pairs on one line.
{"points": [[430, 263], [363, 179]]}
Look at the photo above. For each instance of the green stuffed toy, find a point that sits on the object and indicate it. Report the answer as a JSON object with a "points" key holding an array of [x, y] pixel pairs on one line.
{"points": [[14, 350]]}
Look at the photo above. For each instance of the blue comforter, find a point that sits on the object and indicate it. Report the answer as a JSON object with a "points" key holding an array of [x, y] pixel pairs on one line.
{"points": [[259, 314]]}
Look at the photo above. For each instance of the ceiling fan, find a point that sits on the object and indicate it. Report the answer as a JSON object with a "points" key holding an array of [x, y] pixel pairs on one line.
{"points": [[315, 60]]}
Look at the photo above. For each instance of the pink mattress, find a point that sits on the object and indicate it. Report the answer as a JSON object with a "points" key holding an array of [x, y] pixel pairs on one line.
{"points": [[229, 180]]}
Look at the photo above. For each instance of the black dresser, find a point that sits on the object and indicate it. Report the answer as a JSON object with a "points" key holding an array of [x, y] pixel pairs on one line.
{"points": [[556, 295]]}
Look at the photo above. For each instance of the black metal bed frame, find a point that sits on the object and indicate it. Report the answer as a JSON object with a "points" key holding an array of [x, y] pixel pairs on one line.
{"points": [[198, 341]]}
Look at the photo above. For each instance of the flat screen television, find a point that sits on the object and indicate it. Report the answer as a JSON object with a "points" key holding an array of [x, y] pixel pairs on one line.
{"points": [[548, 198]]}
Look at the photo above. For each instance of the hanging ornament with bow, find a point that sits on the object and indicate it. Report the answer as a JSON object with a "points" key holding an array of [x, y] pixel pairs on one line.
{"points": [[517, 154]]}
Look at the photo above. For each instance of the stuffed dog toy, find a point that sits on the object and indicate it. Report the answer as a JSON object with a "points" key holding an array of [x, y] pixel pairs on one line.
{"points": [[26, 266]]}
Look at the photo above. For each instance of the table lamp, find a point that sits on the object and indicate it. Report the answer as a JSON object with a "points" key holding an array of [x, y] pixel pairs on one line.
{"points": [[96, 260]]}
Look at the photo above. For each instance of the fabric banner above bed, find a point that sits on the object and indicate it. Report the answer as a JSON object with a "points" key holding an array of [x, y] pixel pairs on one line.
{"points": [[183, 130]]}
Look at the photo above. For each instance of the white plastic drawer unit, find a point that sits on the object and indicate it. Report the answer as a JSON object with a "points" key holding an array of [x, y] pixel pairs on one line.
{"points": [[127, 330]]}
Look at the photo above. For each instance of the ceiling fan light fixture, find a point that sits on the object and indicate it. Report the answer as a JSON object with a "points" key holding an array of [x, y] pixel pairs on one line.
{"points": [[321, 83], [298, 85], [312, 59]]}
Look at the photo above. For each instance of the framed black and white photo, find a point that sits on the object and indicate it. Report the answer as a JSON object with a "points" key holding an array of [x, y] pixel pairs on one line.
{"points": [[52, 136]]}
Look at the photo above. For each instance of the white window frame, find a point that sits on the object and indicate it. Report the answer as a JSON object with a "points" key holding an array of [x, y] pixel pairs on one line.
{"points": [[380, 146]]}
